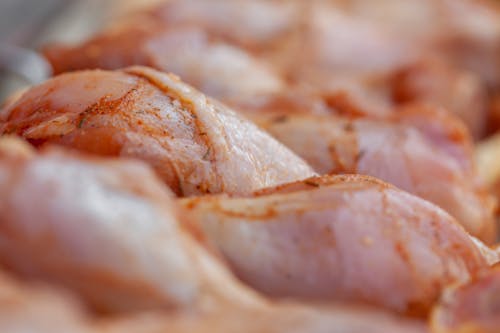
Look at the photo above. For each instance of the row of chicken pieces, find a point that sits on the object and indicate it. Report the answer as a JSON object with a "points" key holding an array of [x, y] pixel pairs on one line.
{"points": [[161, 209]]}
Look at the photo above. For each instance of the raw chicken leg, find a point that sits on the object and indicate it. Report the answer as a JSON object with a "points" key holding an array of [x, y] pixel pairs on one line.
{"points": [[195, 144], [350, 238]]}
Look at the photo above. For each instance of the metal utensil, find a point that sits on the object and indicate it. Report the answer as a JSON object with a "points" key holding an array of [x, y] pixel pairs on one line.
{"points": [[19, 68]]}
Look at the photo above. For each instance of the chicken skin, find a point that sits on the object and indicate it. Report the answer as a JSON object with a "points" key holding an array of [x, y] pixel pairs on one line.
{"points": [[195, 144], [434, 161], [350, 238]]}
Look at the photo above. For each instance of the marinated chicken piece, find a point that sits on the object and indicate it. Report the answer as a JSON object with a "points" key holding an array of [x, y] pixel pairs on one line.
{"points": [[343, 238], [195, 144], [107, 229], [224, 71], [470, 308], [421, 150]]}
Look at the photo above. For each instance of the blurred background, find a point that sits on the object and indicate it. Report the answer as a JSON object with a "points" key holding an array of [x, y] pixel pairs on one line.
{"points": [[25, 25]]}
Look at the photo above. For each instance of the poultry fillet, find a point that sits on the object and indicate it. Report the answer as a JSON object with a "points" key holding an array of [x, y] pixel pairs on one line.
{"points": [[195, 144]]}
